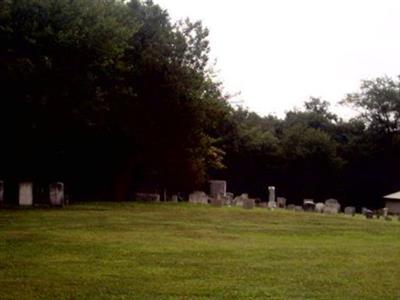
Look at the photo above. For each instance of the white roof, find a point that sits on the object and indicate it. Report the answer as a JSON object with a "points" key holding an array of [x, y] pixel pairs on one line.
{"points": [[395, 196]]}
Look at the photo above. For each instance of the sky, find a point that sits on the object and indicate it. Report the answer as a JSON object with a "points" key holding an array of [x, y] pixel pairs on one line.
{"points": [[279, 53]]}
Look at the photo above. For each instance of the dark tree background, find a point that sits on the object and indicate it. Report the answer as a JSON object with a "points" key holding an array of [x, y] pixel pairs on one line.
{"points": [[111, 97]]}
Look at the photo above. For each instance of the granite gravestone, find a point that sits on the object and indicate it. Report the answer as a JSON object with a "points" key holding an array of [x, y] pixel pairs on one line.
{"points": [[217, 188], [56, 191], [25, 194]]}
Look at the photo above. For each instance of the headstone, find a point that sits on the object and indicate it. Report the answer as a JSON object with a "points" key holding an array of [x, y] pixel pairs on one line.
{"points": [[298, 208], [148, 197], [350, 211], [26, 194], [56, 194], [309, 205], [263, 204], [369, 214], [228, 199], [174, 198], [271, 198], [198, 198], [249, 203], [238, 201], [320, 207], [1, 193], [217, 188], [291, 207], [385, 212], [281, 202], [332, 206]]}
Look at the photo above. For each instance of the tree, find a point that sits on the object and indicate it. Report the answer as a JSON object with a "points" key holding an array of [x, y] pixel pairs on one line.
{"points": [[379, 102]]}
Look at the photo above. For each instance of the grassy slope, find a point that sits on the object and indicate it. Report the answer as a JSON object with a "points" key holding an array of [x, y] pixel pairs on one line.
{"points": [[137, 251]]}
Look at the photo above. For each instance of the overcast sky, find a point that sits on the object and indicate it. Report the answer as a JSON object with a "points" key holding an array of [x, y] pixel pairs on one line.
{"points": [[278, 53]]}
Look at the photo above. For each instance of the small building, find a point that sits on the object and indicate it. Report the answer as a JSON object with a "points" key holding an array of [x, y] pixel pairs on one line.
{"points": [[392, 202]]}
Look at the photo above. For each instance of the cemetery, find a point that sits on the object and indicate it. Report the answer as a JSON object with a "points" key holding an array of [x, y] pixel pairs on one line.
{"points": [[219, 197], [210, 245], [157, 250], [203, 150]]}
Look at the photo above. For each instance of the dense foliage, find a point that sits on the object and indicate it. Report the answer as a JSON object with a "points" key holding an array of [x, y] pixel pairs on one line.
{"points": [[111, 97]]}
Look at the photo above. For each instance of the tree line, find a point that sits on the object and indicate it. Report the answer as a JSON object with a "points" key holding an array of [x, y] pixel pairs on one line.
{"points": [[112, 97]]}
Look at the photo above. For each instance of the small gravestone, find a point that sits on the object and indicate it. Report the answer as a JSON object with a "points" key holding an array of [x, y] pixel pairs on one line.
{"points": [[332, 206], [249, 203], [369, 214], [56, 194], [1, 193], [146, 197], [25, 197], [309, 205], [291, 207], [281, 202], [298, 208], [198, 198], [217, 188], [228, 199], [174, 198], [238, 201], [350, 211], [319, 207], [263, 204]]}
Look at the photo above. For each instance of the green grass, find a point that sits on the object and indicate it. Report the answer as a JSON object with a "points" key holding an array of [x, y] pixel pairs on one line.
{"points": [[169, 251]]}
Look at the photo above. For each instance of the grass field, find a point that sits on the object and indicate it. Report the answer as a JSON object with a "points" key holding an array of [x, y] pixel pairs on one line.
{"points": [[169, 251]]}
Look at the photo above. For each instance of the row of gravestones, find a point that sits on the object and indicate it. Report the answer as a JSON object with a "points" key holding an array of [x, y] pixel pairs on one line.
{"points": [[220, 200], [25, 194]]}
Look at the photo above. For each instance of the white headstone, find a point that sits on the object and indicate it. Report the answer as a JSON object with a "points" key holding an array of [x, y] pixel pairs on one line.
{"points": [[271, 199], [198, 197], [385, 212], [26, 194], [57, 194], [319, 207]]}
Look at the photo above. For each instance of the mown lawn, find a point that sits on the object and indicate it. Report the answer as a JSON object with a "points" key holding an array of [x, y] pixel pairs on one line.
{"points": [[177, 251]]}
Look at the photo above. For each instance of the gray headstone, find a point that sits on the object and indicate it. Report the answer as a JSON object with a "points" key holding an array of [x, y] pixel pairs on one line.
{"points": [[291, 207], [332, 206], [309, 205], [263, 204], [148, 197], [281, 202], [249, 203], [298, 208], [239, 201], [25, 194], [198, 198], [350, 211], [228, 199], [56, 194], [271, 197], [174, 198], [385, 212], [369, 214], [217, 188]]}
